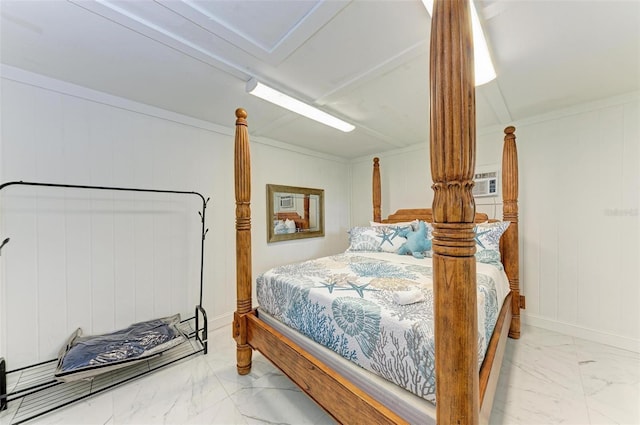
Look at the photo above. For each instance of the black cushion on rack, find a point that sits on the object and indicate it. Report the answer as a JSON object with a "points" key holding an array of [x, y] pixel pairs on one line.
{"points": [[84, 357]]}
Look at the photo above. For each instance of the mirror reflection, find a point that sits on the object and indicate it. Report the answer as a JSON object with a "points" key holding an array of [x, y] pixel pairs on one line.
{"points": [[294, 212]]}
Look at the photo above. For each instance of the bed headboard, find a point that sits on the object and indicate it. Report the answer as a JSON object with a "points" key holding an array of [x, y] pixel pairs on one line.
{"points": [[403, 215], [425, 214], [509, 243]]}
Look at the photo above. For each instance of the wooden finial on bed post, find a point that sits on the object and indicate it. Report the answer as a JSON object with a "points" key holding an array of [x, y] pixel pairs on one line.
{"points": [[510, 213], [452, 143], [377, 195], [242, 168]]}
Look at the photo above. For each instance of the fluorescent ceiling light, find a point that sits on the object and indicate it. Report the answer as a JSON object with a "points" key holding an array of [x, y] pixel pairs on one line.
{"points": [[483, 67], [271, 95]]}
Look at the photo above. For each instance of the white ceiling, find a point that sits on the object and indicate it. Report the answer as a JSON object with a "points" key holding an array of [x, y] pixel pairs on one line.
{"points": [[364, 61]]}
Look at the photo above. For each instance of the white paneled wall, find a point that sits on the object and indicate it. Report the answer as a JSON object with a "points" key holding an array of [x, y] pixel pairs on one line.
{"points": [[103, 261], [579, 213], [405, 179], [290, 168], [96, 260]]}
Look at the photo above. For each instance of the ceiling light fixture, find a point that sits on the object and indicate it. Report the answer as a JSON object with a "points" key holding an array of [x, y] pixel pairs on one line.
{"points": [[258, 89], [483, 66]]}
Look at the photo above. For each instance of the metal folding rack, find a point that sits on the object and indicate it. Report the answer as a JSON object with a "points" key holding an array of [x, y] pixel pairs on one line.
{"points": [[32, 391]]}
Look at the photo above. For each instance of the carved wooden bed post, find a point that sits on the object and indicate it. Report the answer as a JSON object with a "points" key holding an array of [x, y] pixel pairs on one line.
{"points": [[459, 383], [452, 144], [377, 189], [242, 168], [510, 238]]}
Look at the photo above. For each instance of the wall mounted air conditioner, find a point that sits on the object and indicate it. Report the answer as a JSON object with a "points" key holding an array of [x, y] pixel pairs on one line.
{"points": [[486, 184]]}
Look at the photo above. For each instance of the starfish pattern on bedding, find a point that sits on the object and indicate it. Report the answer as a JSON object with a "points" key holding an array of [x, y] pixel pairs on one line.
{"points": [[386, 237], [477, 237], [397, 230], [358, 288], [330, 286]]}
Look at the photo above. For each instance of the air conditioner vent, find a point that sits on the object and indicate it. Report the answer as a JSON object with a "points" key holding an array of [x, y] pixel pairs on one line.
{"points": [[486, 184]]}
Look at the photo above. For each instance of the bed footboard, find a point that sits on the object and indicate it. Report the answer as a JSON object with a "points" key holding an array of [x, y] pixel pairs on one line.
{"points": [[339, 397]]}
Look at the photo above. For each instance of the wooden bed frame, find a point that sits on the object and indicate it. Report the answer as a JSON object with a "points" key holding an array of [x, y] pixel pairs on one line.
{"points": [[464, 393]]}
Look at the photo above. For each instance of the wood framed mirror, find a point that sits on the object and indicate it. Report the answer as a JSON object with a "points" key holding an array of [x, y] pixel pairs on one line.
{"points": [[294, 213]]}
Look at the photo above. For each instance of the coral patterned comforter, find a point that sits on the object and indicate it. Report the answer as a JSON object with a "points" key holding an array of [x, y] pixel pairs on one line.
{"points": [[346, 303]]}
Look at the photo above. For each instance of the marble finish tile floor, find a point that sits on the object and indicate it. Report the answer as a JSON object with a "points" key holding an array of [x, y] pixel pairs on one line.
{"points": [[546, 378]]}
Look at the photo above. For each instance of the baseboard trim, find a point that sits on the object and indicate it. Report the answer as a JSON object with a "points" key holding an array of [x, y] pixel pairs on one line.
{"points": [[220, 322], [617, 341]]}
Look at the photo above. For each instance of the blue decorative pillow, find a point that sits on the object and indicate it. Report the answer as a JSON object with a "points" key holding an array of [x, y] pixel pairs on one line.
{"points": [[376, 238], [488, 242], [417, 241]]}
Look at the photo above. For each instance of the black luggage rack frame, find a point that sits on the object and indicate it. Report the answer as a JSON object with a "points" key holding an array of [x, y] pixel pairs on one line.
{"points": [[34, 389]]}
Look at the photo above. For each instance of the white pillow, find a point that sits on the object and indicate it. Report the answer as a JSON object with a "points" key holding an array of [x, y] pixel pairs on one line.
{"points": [[488, 242], [290, 225], [377, 238], [280, 228]]}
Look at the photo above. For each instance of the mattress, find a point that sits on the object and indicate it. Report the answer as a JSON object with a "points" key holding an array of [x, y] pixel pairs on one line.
{"points": [[348, 304]]}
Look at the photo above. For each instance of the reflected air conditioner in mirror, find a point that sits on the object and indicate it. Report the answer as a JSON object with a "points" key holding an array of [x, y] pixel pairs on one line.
{"points": [[486, 184]]}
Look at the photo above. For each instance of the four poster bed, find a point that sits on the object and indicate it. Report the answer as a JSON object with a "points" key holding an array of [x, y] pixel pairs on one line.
{"points": [[464, 343]]}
